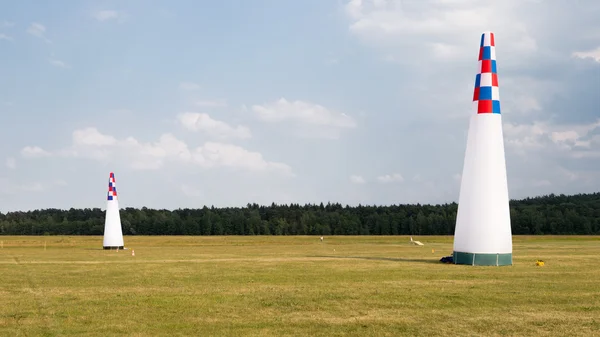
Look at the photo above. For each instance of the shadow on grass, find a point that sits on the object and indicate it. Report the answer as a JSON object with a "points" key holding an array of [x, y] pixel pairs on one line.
{"points": [[382, 259]]}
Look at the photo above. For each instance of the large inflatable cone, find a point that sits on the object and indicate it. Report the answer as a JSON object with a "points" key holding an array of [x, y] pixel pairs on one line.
{"points": [[113, 234], [483, 233]]}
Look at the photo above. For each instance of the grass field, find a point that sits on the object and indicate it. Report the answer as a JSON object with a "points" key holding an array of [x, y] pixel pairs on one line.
{"points": [[278, 286]]}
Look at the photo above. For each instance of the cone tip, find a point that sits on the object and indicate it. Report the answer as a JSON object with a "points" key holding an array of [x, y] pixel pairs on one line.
{"points": [[112, 189], [486, 97], [488, 39]]}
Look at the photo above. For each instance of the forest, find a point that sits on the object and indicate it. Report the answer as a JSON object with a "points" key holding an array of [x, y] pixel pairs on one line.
{"points": [[552, 214]]}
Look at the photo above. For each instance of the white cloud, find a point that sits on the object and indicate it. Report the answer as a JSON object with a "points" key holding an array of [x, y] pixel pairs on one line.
{"points": [[307, 119], [189, 86], [11, 163], [32, 187], [38, 30], [356, 179], [151, 156], [204, 123], [440, 28], [211, 104], [390, 178], [93, 137], [213, 154], [34, 152], [591, 54], [39, 187], [571, 140], [5, 37], [106, 15], [10, 187], [59, 64], [568, 174], [302, 112], [190, 191], [524, 137], [91, 144], [8, 24], [526, 94], [541, 183], [527, 103], [562, 136]]}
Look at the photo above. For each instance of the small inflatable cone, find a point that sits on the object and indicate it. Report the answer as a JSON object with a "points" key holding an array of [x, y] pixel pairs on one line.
{"points": [[113, 233]]}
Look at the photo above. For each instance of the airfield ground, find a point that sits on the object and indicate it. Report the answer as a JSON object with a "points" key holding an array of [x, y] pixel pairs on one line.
{"points": [[277, 286]]}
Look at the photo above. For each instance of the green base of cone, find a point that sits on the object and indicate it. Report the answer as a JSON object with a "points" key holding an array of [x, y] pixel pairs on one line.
{"points": [[478, 259]]}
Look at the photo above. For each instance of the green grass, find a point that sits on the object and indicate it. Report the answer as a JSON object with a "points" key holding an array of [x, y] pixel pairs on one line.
{"points": [[278, 286]]}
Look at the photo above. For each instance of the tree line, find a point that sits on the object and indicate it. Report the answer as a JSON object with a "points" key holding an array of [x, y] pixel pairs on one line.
{"points": [[552, 214]]}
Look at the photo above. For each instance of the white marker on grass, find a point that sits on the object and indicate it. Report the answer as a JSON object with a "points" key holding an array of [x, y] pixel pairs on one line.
{"points": [[418, 243]]}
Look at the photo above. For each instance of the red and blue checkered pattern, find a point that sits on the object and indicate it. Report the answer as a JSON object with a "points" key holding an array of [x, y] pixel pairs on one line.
{"points": [[486, 96], [112, 187]]}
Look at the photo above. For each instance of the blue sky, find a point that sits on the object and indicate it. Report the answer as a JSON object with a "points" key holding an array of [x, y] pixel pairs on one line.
{"points": [[222, 103]]}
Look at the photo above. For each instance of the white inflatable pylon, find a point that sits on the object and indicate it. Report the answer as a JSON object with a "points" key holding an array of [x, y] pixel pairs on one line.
{"points": [[113, 234], [483, 234]]}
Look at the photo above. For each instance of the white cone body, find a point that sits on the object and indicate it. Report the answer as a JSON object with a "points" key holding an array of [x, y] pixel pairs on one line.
{"points": [[483, 230], [113, 234], [483, 218]]}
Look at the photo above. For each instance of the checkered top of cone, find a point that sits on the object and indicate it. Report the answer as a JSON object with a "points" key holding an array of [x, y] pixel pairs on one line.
{"points": [[486, 96], [112, 187]]}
